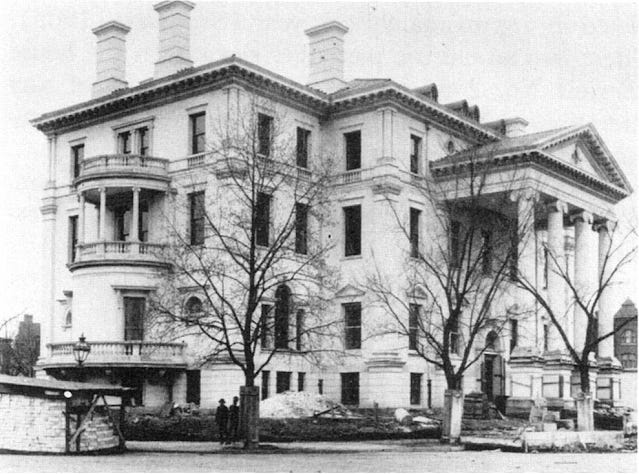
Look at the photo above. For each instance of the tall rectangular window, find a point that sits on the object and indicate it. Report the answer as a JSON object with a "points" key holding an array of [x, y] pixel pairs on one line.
{"points": [[264, 134], [197, 215], [455, 229], [262, 219], [352, 230], [415, 389], [486, 251], [282, 382], [454, 337], [301, 228], [546, 337], [352, 325], [299, 329], [301, 381], [513, 263], [265, 332], [73, 237], [124, 142], [142, 141], [193, 385], [546, 262], [266, 375], [303, 141], [415, 152], [514, 333], [77, 155], [198, 132], [414, 313], [414, 232], [134, 318], [353, 143], [320, 386], [350, 388]]}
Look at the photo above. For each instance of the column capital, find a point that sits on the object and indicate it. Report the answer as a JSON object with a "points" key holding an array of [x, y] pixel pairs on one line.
{"points": [[583, 216], [136, 189], [603, 224], [527, 194], [102, 189], [557, 206]]}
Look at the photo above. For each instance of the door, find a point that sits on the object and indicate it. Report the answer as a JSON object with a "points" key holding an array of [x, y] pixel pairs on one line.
{"points": [[492, 379]]}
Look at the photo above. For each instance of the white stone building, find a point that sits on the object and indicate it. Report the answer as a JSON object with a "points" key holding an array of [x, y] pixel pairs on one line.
{"points": [[115, 161]]}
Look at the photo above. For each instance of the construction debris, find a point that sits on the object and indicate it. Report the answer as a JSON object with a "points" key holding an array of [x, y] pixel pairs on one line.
{"points": [[302, 405]]}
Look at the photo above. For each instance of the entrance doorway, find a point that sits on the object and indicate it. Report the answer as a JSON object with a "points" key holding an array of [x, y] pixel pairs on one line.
{"points": [[493, 369]]}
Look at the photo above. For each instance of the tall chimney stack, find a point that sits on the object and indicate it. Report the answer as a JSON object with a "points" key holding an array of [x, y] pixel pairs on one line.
{"points": [[110, 58], [175, 37], [326, 65]]}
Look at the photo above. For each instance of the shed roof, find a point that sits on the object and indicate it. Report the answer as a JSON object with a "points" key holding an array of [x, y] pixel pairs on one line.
{"points": [[48, 384]]}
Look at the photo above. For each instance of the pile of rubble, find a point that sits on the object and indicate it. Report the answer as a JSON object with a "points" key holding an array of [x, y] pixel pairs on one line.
{"points": [[302, 405]]}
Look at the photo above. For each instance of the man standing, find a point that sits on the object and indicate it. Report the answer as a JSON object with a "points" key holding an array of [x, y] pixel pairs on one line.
{"points": [[222, 419], [234, 419]]}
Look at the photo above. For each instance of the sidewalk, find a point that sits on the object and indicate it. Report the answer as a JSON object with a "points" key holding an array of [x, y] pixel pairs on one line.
{"points": [[407, 445]]}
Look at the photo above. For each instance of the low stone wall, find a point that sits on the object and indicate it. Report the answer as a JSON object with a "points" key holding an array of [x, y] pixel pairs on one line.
{"points": [[34, 424]]}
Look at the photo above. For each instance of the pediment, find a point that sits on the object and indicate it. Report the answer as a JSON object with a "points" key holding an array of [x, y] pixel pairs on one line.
{"points": [[349, 291], [417, 292]]}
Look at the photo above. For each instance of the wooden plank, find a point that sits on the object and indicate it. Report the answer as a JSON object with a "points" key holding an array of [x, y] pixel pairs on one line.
{"points": [[85, 422], [112, 418]]}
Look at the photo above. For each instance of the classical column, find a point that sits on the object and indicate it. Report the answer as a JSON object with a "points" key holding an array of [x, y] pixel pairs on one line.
{"points": [[556, 296], [386, 132], [52, 152], [81, 219], [606, 303], [582, 222], [102, 214], [135, 216]]}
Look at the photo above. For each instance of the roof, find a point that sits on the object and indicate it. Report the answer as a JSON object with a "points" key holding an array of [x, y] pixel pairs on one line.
{"points": [[627, 310], [48, 384]]}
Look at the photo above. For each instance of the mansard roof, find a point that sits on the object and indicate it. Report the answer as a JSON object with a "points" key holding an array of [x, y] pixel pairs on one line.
{"points": [[627, 310], [538, 148]]}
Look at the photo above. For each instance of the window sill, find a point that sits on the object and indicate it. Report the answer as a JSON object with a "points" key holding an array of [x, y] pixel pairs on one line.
{"points": [[351, 257]]}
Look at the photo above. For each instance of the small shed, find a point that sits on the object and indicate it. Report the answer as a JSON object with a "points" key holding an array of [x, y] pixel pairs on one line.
{"points": [[57, 416]]}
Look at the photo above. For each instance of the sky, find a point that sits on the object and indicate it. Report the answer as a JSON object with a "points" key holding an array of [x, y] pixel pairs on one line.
{"points": [[553, 64]]}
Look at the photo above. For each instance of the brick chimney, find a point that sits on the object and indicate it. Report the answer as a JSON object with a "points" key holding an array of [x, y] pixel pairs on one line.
{"points": [[110, 58], [326, 65], [175, 37]]}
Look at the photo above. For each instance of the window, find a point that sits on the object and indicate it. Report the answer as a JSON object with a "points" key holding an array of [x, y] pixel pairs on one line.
{"points": [[135, 380], [122, 221], [299, 329], [353, 142], [262, 219], [628, 337], [198, 132], [546, 337], [303, 141], [142, 141], [301, 379], [193, 307], [301, 228], [197, 211], [414, 312], [629, 361], [77, 155], [486, 252], [514, 333], [73, 237], [350, 388], [352, 230], [124, 142], [415, 389], [414, 232], [282, 382], [264, 134], [282, 309], [193, 385], [265, 334], [514, 254], [455, 230], [352, 325], [415, 148], [320, 386], [266, 375], [546, 258], [134, 318], [492, 341], [454, 337], [68, 319]]}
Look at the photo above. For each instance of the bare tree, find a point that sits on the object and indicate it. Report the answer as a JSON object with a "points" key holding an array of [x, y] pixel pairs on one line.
{"points": [[457, 278], [252, 235]]}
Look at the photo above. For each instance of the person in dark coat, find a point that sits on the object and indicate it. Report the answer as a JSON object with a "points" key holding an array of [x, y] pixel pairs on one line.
{"points": [[222, 420], [234, 419]]}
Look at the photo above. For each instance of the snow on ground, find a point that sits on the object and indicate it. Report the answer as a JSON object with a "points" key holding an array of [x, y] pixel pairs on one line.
{"points": [[298, 405]]}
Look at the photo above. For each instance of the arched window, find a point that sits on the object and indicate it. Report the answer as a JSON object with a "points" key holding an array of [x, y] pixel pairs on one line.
{"points": [[492, 341], [629, 361], [628, 337], [282, 310], [68, 319], [193, 306]]}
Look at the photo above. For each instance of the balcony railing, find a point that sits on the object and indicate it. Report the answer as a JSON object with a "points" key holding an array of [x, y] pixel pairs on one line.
{"points": [[135, 164], [119, 353], [119, 250]]}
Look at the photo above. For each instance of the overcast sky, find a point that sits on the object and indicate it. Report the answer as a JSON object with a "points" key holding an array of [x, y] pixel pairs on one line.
{"points": [[552, 64]]}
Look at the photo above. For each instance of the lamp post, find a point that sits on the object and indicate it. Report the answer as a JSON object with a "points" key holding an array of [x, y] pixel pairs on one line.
{"points": [[81, 351]]}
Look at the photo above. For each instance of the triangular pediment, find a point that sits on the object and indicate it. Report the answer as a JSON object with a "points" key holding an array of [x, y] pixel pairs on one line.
{"points": [[417, 292], [349, 291]]}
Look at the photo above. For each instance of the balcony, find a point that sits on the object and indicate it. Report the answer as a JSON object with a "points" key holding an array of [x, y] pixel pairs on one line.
{"points": [[118, 353], [123, 166], [118, 252]]}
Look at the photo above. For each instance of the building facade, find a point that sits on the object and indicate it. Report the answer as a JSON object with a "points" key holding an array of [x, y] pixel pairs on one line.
{"points": [[626, 351], [118, 162]]}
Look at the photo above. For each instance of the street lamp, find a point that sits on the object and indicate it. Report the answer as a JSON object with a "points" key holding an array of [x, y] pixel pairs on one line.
{"points": [[81, 350]]}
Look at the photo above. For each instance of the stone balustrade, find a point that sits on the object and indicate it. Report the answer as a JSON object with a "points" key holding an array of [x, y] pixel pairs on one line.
{"points": [[119, 250]]}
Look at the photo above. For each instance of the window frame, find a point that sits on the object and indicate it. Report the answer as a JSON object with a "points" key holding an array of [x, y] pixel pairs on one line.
{"points": [[352, 327], [195, 135], [265, 123], [301, 228], [73, 235], [77, 159], [631, 339], [263, 219], [302, 147], [416, 388], [300, 316], [264, 384], [125, 142], [197, 223], [266, 340], [414, 313], [486, 251], [352, 230], [413, 235], [282, 378], [353, 156], [350, 380], [415, 153]]}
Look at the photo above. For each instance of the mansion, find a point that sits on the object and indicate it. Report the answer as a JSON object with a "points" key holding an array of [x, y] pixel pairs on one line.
{"points": [[119, 162]]}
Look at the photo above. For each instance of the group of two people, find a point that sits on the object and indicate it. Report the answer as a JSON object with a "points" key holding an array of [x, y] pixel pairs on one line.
{"points": [[228, 420]]}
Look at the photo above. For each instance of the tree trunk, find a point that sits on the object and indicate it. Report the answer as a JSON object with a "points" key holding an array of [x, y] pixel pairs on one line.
{"points": [[583, 401], [250, 415], [453, 412]]}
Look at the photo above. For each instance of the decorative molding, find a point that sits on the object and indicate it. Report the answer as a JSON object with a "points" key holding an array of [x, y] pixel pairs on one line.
{"points": [[557, 206], [583, 216], [349, 291]]}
